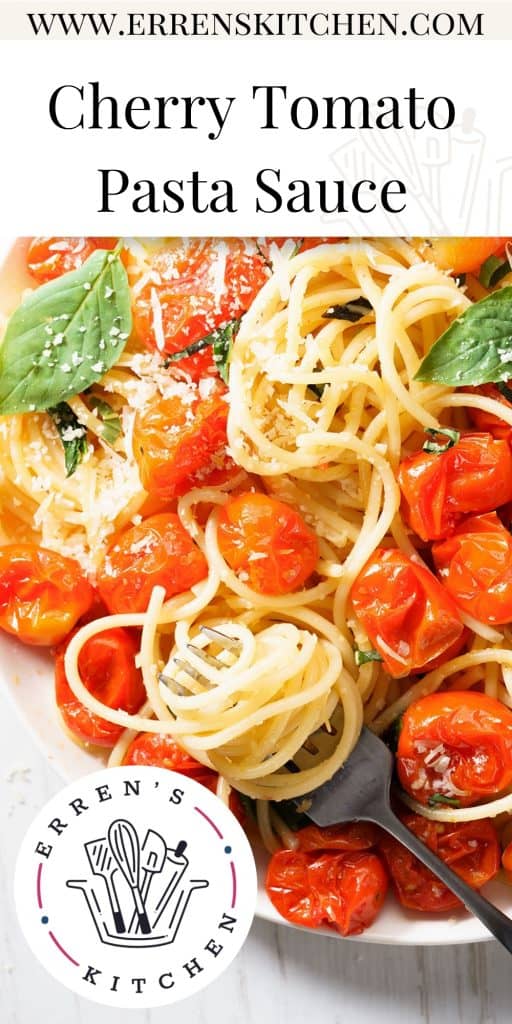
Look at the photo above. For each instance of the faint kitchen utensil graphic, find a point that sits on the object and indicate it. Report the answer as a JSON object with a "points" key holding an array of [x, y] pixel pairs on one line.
{"points": [[154, 869], [104, 865]]}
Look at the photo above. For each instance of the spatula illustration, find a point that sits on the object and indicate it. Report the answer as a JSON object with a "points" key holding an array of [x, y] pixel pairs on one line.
{"points": [[152, 860], [103, 864], [124, 844]]}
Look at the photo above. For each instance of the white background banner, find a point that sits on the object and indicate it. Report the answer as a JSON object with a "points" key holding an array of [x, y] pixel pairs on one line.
{"points": [[453, 181]]}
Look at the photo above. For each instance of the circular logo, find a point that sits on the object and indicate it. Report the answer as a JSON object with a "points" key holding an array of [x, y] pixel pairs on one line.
{"points": [[135, 887]]}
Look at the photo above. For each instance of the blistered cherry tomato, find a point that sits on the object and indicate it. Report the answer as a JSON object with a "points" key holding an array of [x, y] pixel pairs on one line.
{"points": [[107, 668], [42, 594], [506, 858], [487, 421], [459, 255], [475, 566], [455, 748], [158, 552], [48, 258], [267, 543], [470, 848], [195, 288], [344, 891], [180, 443], [357, 835], [162, 751], [408, 616], [474, 475]]}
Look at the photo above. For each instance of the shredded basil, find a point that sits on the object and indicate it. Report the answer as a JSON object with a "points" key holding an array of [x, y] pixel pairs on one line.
{"points": [[65, 335], [363, 657], [504, 390], [72, 434], [221, 340], [434, 447], [110, 419], [492, 271], [440, 798], [351, 311], [476, 348]]}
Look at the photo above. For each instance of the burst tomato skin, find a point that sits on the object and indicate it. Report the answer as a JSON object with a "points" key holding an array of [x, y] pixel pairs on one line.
{"points": [[487, 421], [355, 836], [42, 594], [107, 668], [342, 890], [470, 848], [180, 443], [475, 475], [48, 258], [459, 255], [457, 745], [475, 566], [158, 552], [268, 542], [409, 618], [162, 751], [186, 294], [506, 858]]}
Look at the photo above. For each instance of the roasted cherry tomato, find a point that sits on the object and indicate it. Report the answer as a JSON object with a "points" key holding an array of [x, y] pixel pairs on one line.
{"points": [[42, 594], [474, 475], [162, 751], [475, 566], [267, 543], [357, 835], [459, 255], [455, 748], [180, 443], [159, 552], [342, 890], [48, 258], [506, 858], [408, 616], [470, 848], [195, 288], [486, 421], [107, 668]]}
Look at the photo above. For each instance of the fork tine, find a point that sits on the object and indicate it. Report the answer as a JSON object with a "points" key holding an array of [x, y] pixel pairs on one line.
{"points": [[172, 684], [230, 643], [191, 671], [208, 659]]}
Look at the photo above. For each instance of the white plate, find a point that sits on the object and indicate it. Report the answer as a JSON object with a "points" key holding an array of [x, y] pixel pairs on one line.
{"points": [[26, 673]]}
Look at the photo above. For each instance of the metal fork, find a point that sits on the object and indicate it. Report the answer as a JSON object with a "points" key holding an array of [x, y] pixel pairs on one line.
{"points": [[360, 791]]}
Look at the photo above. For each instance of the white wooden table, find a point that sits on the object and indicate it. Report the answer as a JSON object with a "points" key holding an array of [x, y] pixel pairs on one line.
{"points": [[281, 975]]}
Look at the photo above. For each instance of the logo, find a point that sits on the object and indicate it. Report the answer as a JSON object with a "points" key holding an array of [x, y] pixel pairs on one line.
{"points": [[135, 887]]}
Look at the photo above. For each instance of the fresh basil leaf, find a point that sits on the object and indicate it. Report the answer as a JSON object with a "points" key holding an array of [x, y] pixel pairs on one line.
{"points": [[111, 420], [72, 434], [437, 448], [221, 340], [351, 311], [65, 335], [392, 734], [363, 657], [492, 271], [440, 798], [476, 348]]}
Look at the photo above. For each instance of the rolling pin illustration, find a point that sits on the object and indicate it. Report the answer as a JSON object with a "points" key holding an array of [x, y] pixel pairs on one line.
{"points": [[176, 858]]}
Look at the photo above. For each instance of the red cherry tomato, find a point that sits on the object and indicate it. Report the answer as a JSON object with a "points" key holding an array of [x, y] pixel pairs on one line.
{"points": [[194, 289], [470, 848], [486, 421], [42, 594], [162, 751], [267, 543], [506, 858], [342, 890], [159, 552], [106, 665], [180, 443], [475, 475], [475, 566], [455, 748], [408, 616], [459, 255], [358, 835], [48, 258]]}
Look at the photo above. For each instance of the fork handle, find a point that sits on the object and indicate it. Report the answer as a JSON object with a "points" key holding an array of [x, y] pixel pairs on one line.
{"points": [[497, 923]]}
